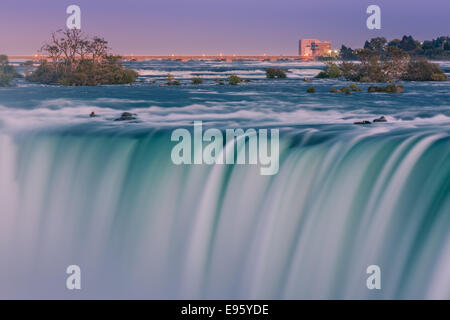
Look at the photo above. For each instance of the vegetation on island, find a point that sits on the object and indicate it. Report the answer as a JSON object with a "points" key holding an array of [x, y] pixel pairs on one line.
{"points": [[390, 88], [331, 71], [382, 62], [170, 80], [275, 73], [7, 72], [197, 80], [435, 49], [311, 89], [234, 80], [347, 90], [74, 59]]}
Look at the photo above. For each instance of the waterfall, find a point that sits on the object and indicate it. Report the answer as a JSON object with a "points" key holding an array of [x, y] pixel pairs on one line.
{"points": [[141, 227]]}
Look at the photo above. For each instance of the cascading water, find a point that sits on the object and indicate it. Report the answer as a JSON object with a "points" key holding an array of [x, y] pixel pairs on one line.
{"points": [[141, 227], [106, 196]]}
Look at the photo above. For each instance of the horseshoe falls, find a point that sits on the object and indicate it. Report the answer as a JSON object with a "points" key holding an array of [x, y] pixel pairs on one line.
{"points": [[105, 195]]}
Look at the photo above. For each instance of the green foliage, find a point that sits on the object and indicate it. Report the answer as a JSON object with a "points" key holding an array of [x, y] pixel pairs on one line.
{"points": [[422, 70], [390, 88], [171, 80], [377, 45], [311, 89], [170, 77], [5, 79], [234, 79], [76, 60], [438, 48], [7, 72], [332, 71], [87, 73], [347, 54], [407, 43], [275, 73], [354, 87], [346, 90], [397, 67], [197, 80]]}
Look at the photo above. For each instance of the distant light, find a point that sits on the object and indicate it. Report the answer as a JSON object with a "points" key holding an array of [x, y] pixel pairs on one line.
{"points": [[221, 54], [172, 55]]}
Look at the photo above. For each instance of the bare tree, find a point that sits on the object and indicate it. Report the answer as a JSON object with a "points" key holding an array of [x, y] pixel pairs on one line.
{"points": [[72, 46], [98, 48]]}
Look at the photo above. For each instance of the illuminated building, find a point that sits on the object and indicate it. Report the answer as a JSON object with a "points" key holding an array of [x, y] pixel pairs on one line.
{"points": [[313, 48]]}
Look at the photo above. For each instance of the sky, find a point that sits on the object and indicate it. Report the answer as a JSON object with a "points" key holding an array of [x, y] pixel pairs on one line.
{"points": [[219, 26]]}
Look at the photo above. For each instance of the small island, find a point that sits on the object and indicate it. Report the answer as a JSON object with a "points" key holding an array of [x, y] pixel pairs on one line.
{"points": [[380, 61], [74, 59]]}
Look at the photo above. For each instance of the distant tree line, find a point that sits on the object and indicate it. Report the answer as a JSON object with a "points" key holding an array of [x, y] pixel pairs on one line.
{"points": [[431, 49], [76, 59], [380, 63]]}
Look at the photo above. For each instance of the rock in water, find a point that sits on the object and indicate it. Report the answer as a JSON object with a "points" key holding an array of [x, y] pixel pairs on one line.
{"points": [[92, 115], [362, 122], [380, 119], [126, 116]]}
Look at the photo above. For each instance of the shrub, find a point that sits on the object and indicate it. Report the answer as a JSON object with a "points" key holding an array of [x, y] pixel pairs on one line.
{"points": [[7, 72], [86, 63], [85, 74], [173, 83], [234, 79], [391, 88], [332, 71], [275, 73], [197, 80], [311, 89], [322, 75], [354, 87], [422, 70], [345, 90]]}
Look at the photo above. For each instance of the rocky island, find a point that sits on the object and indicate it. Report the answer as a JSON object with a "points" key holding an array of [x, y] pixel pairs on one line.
{"points": [[74, 59]]}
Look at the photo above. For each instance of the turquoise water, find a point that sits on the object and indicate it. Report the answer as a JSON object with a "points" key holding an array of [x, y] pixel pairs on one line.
{"points": [[106, 196]]}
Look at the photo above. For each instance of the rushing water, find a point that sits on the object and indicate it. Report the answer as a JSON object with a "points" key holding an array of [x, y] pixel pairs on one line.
{"points": [[106, 196]]}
